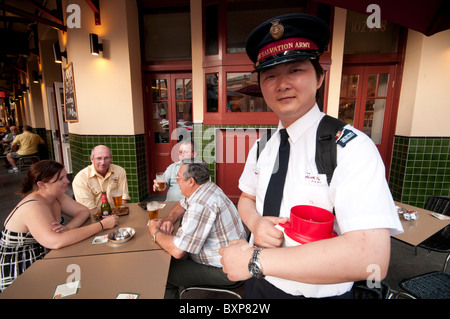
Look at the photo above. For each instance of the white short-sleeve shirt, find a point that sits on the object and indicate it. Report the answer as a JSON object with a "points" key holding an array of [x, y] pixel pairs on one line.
{"points": [[358, 191]]}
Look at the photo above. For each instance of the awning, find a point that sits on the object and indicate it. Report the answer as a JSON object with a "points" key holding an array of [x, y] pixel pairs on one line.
{"points": [[425, 16]]}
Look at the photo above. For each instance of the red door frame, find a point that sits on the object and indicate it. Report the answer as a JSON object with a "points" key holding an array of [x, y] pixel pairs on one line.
{"points": [[389, 120], [159, 155]]}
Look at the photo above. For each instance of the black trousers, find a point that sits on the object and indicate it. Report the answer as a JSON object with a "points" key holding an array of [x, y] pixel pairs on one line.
{"points": [[262, 289]]}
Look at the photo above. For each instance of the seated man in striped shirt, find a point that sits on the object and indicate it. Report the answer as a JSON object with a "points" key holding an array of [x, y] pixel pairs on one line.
{"points": [[210, 221]]}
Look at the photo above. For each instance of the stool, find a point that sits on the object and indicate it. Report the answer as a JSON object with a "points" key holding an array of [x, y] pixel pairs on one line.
{"points": [[27, 161], [432, 285], [222, 289]]}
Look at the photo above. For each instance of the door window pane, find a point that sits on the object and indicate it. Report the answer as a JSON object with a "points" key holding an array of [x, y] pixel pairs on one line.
{"points": [[179, 89], [183, 108], [243, 94], [372, 85], [160, 110], [160, 122], [347, 110], [159, 89], [353, 82], [212, 89], [383, 84], [349, 85]]}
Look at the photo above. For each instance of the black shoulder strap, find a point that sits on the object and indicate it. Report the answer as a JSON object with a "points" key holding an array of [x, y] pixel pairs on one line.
{"points": [[326, 145], [12, 213]]}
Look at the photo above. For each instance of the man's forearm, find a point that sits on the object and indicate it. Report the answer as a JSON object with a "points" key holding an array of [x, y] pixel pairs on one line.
{"points": [[176, 213]]}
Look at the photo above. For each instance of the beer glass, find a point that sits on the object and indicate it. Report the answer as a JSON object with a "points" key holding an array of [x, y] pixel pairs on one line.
{"points": [[161, 181], [152, 209], [117, 197]]}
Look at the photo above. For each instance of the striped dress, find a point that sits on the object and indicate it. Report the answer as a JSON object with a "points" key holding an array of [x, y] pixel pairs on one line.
{"points": [[17, 252]]}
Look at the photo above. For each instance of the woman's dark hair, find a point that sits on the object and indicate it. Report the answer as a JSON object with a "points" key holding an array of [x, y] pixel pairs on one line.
{"points": [[41, 171]]}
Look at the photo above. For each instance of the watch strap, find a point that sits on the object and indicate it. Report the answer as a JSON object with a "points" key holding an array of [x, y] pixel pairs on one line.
{"points": [[254, 265]]}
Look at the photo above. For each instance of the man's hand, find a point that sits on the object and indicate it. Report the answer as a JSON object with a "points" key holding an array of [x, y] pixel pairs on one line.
{"points": [[235, 259], [154, 225], [265, 233]]}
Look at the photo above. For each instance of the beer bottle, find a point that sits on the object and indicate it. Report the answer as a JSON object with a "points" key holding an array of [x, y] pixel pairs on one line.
{"points": [[105, 208]]}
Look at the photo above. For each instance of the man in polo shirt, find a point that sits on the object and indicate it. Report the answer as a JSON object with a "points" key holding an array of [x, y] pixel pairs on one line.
{"points": [[210, 221], [101, 176]]}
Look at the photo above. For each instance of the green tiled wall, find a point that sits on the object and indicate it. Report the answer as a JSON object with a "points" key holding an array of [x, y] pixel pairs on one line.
{"points": [[128, 152], [420, 168]]}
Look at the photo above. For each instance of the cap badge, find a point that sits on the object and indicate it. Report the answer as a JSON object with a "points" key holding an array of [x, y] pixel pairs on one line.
{"points": [[276, 30]]}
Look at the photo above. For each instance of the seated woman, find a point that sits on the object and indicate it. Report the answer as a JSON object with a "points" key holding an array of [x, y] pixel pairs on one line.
{"points": [[34, 226]]}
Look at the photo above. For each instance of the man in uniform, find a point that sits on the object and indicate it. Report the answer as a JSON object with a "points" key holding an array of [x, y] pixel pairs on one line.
{"points": [[285, 51]]}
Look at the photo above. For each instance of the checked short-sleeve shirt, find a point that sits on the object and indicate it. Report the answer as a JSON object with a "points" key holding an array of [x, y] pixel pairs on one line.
{"points": [[210, 222]]}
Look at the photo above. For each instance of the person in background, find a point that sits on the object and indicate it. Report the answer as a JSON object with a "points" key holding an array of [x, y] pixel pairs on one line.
{"points": [[28, 143], [187, 149], [210, 221], [286, 51], [6, 143], [34, 226], [102, 175]]}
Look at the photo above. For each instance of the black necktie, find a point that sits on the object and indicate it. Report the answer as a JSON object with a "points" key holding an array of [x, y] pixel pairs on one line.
{"points": [[274, 193]]}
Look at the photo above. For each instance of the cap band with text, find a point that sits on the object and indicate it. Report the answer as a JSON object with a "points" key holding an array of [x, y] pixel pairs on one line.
{"points": [[297, 44]]}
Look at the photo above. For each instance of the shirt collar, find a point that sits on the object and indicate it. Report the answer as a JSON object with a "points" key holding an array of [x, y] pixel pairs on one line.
{"points": [[93, 172], [196, 191], [303, 124]]}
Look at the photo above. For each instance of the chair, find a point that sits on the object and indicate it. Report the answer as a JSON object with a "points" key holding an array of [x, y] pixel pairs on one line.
{"points": [[439, 242], [27, 161], [432, 285], [220, 289], [381, 290]]}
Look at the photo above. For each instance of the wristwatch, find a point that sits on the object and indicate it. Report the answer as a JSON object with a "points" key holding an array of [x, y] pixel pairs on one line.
{"points": [[254, 266]]}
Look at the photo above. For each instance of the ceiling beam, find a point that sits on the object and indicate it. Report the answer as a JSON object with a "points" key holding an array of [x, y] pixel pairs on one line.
{"points": [[57, 16], [32, 17], [95, 7]]}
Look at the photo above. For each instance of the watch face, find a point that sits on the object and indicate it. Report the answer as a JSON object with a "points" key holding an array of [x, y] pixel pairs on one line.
{"points": [[254, 270]]}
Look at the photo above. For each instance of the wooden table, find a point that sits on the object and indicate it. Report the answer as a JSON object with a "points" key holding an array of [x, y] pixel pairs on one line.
{"points": [[101, 276], [416, 231], [141, 241]]}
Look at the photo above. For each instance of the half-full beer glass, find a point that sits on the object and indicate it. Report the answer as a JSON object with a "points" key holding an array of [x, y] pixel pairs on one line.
{"points": [[152, 209], [117, 197], [161, 181]]}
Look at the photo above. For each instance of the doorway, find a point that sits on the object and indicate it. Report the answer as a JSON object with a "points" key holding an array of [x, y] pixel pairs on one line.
{"points": [[366, 102], [168, 117], [59, 128]]}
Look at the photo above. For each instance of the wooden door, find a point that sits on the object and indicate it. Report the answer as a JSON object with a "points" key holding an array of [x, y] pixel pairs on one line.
{"points": [[366, 102]]}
